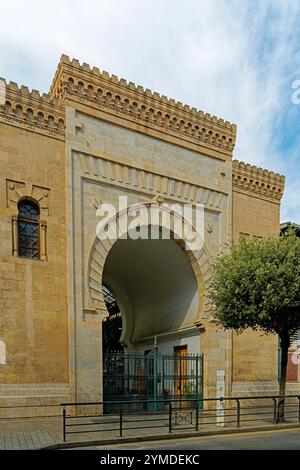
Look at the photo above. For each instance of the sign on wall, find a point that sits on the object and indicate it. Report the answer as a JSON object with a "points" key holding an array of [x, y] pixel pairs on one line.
{"points": [[220, 394]]}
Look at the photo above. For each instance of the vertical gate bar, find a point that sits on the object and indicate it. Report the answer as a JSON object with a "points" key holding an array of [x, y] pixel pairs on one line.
{"points": [[170, 417], [197, 416], [197, 377], [163, 377], [172, 369], [155, 384], [127, 368], [180, 383], [299, 409], [106, 382], [170, 375], [64, 424], [147, 379], [121, 422]]}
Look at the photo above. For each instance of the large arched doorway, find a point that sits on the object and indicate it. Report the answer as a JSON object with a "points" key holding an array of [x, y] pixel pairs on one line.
{"points": [[152, 284], [159, 286], [155, 289]]}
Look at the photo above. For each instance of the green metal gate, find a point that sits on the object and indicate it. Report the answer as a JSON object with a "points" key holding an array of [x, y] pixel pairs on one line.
{"points": [[136, 376]]}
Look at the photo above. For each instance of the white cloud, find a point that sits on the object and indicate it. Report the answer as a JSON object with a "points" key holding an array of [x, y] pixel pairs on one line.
{"points": [[233, 58]]}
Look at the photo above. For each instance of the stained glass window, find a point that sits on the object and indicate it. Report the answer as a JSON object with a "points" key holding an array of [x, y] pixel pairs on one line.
{"points": [[28, 230]]}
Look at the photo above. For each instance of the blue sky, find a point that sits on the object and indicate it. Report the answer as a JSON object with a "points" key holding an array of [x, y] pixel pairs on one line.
{"points": [[236, 59]]}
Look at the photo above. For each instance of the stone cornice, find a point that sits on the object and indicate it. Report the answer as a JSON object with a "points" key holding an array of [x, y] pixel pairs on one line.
{"points": [[32, 111], [116, 97], [263, 183]]}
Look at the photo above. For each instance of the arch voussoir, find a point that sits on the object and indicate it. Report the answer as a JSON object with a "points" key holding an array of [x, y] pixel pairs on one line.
{"points": [[199, 258]]}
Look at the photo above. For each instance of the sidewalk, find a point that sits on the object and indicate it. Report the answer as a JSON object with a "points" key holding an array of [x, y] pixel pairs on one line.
{"points": [[38, 433], [29, 433]]}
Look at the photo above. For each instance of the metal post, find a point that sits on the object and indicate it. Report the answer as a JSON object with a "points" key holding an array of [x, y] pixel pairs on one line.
{"points": [[274, 410], [201, 375], [64, 424], [197, 378], [163, 376], [106, 380], [128, 375], [299, 409], [197, 417], [170, 417], [180, 379], [238, 412], [155, 378], [121, 422]]}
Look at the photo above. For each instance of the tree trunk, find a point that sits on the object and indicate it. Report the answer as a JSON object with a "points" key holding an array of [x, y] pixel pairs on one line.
{"points": [[284, 346]]}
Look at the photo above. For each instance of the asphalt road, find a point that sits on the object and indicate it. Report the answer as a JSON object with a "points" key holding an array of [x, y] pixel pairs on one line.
{"points": [[263, 440]]}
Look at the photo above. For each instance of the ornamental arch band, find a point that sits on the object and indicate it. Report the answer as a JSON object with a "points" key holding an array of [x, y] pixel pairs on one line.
{"points": [[93, 139]]}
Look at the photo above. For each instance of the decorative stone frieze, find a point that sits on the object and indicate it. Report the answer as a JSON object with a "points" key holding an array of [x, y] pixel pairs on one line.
{"points": [[250, 178], [149, 182], [31, 111], [134, 104]]}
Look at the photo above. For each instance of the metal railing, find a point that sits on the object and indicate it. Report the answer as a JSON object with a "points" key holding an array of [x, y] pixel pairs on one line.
{"points": [[178, 414]]}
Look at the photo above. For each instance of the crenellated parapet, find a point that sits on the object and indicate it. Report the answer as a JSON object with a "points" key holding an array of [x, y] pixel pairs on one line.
{"points": [[133, 104], [264, 183], [32, 111]]}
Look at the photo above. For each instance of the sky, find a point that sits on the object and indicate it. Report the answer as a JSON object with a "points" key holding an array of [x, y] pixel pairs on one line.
{"points": [[236, 59]]}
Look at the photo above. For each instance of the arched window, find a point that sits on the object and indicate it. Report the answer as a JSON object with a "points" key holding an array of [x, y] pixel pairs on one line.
{"points": [[28, 229]]}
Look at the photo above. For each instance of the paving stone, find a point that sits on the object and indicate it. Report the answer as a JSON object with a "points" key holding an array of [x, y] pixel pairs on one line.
{"points": [[17, 440]]}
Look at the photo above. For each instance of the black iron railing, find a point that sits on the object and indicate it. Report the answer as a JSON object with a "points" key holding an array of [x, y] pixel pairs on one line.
{"points": [[178, 414]]}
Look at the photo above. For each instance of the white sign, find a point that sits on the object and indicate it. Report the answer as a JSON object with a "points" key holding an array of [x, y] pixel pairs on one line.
{"points": [[220, 395]]}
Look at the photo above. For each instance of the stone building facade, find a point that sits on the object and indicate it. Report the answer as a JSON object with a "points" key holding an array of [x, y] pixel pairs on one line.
{"points": [[93, 138]]}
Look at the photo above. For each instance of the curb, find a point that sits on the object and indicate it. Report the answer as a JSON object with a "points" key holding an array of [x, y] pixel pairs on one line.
{"points": [[128, 440]]}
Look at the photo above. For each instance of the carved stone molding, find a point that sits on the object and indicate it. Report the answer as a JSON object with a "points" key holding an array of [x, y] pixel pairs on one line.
{"points": [[15, 190], [31, 111], [158, 199], [149, 182], [132, 103], [199, 325], [209, 227], [264, 183], [41, 195]]}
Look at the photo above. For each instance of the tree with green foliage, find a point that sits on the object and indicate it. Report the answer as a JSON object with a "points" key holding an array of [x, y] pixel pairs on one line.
{"points": [[257, 285]]}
